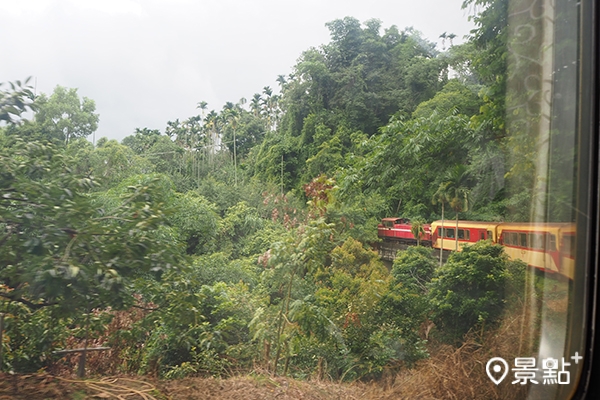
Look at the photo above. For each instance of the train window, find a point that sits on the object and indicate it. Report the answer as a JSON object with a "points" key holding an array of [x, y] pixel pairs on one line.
{"points": [[523, 239], [536, 241], [530, 243], [550, 123], [551, 242], [514, 238], [568, 246], [541, 159]]}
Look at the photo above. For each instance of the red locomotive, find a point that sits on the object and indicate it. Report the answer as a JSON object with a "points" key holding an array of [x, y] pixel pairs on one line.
{"points": [[400, 230]]}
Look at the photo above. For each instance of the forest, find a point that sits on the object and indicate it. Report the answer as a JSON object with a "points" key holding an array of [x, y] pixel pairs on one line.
{"points": [[242, 240]]}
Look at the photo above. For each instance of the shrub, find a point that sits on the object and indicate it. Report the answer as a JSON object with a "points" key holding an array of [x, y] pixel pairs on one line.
{"points": [[414, 268], [469, 291]]}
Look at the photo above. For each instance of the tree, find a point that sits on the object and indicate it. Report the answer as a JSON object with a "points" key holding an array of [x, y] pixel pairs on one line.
{"points": [[195, 221], [142, 140], [202, 106], [414, 268], [232, 115], [469, 290], [16, 101], [454, 98], [63, 248], [417, 230], [441, 196], [458, 180], [255, 104], [489, 62], [63, 115]]}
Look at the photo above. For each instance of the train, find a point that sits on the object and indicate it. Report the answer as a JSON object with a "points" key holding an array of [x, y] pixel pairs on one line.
{"points": [[548, 247]]}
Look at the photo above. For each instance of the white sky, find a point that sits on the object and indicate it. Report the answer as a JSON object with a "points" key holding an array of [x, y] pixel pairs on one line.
{"points": [[146, 62]]}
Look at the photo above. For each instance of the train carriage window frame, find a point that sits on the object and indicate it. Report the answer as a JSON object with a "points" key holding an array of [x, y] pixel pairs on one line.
{"points": [[522, 240], [538, 241], [514, 238], [568, 247], [463, 234], [551, 242]]}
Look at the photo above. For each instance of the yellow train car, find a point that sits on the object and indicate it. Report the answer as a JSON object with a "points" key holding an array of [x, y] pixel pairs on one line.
{"points": [[468, 232], [548, 247]]}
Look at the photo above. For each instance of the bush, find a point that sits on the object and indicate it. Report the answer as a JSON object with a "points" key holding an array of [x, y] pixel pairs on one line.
{"points": [[414, 268], [469, 291]]}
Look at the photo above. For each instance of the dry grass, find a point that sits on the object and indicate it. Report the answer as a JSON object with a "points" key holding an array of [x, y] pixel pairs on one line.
{"points": [[259, 387], [459, 373]]}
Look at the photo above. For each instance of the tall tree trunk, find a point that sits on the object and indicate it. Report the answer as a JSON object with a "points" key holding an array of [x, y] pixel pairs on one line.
{"points": [[456, 232], [442, 235]]}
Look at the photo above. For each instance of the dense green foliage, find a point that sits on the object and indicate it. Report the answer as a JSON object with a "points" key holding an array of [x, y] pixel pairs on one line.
{"points": [[469, 290]]}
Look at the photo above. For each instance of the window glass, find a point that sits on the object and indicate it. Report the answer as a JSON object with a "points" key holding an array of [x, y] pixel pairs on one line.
{"points": [[541, 118], [537, 241], [523, 239], [259, 216], [568, 247], [551, 243]]}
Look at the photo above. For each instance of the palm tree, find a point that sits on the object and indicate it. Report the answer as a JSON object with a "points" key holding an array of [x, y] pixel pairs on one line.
{"points": [[211, 122], [443, 36], [255, 104], [202, 106], [442, 196], [268, 104], [417, 230], [240, 104], [233, 116], [281, 80], [450, 38]]}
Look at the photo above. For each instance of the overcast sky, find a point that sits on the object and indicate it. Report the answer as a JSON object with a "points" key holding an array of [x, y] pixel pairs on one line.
{"points": [[146, 62]]}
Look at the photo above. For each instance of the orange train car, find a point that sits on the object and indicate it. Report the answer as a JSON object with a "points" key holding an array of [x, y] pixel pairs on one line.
{"points": [[468, 232], [546, 246]]}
